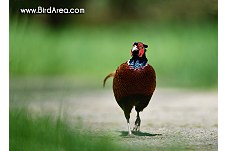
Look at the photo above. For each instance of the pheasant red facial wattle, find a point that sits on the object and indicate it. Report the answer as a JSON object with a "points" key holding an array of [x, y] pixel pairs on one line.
{"points": [[141, 49], [134, 83]]}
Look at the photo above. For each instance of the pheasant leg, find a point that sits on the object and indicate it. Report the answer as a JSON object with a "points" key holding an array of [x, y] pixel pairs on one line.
{"points": [[129, 127], [137, 123]]}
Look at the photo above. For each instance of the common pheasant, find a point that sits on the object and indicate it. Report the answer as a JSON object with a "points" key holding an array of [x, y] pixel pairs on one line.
{"points": [[134, 83]]}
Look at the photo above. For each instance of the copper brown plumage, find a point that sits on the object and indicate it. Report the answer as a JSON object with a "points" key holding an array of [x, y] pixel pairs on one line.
{"points": [[134, 83]]}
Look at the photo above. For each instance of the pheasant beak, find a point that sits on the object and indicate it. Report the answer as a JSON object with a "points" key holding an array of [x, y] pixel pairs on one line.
{"points": [[134, 48]]}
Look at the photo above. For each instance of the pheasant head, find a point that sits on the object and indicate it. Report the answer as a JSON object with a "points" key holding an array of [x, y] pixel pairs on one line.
{"points": [[138, 53], [138, 49]]}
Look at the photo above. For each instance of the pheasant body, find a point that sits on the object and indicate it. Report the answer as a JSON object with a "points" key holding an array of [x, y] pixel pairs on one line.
{"points": [[128, 82]]}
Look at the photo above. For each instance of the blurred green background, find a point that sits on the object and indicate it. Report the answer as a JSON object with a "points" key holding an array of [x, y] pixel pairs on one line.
{"points": [[182, 36]]}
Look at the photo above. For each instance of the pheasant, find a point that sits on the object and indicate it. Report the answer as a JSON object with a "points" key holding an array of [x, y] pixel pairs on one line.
{"points": [[134, 83]]}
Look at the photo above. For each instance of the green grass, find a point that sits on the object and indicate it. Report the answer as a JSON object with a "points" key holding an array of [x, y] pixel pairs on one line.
{"points": [[183, 55], [45, 133]]}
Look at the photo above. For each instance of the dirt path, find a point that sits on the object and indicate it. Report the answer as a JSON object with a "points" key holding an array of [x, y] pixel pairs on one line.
{"points": [[173, 117]]}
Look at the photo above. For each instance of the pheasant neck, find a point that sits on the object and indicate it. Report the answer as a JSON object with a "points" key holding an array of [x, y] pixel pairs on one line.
{"points": [[137, 62]]}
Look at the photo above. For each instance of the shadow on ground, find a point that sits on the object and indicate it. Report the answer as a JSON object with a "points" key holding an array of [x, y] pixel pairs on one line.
{"points": [[125, 133]]}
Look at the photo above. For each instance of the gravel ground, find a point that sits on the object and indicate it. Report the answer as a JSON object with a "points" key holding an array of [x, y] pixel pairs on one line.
{"points": [[174, 117]]}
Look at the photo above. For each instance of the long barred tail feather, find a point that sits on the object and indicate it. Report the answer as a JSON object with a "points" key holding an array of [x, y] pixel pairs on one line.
{"points": [[107, 77]]}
